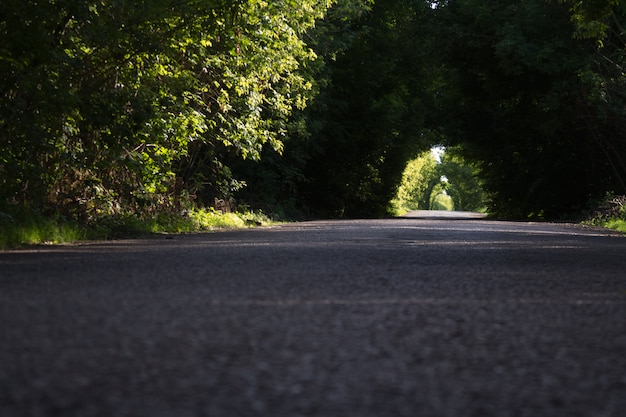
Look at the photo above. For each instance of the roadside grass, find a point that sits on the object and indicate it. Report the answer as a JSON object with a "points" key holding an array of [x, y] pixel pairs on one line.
{"points": [[22, 227], [610, 214], [615, 224], [26, 228]]}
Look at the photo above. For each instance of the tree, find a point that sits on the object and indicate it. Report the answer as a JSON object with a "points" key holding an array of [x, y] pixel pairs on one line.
{"points": [[419, 179], [526, 103], [368, 118], [113, 106], [537, 108], [605, 81], [425, 178], [280, 182], [442, 201], [463, 183]]}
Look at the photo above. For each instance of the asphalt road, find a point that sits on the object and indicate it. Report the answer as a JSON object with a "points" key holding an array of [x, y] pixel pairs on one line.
{"points": [[402, 317]]}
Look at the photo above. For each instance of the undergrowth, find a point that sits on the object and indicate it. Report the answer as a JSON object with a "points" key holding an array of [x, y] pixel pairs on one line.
{"points": [[610, 214], [29, 228], [21, 227]]}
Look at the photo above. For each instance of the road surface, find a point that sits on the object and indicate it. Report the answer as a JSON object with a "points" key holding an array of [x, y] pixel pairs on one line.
{"points": [[401, 317], [444, 214]]}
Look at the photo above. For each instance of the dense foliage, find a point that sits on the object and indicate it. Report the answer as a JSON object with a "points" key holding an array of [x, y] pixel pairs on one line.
{"points": [[418, 182], [375, 76], [111, 106], [531, 91], [308, 106], [425, 179], [541, 109]]}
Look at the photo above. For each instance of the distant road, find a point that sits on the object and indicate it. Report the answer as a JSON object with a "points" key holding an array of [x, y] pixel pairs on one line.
{"points": [[400, 317], [442, 214]]}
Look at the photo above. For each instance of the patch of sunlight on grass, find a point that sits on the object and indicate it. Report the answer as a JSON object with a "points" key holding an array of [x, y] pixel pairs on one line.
{"points": [[210, 219], [35, 229], [616, 224]]}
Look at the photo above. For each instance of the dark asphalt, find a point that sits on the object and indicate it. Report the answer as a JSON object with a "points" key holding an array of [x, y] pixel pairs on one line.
{"points": [[402, 317]]}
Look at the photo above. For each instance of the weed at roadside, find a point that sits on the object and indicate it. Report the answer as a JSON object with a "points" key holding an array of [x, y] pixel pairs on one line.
{"points": [[20, 228], [610, 214], [26, 227]]}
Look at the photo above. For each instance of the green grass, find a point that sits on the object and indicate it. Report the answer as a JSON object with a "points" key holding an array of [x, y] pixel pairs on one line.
{"points": [[25, 228], [610, 214], [615, 224]]}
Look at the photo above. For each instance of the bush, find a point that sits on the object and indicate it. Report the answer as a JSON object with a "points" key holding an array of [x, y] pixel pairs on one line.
{"points": [[610, 213], [26, 227], [19, 227]]}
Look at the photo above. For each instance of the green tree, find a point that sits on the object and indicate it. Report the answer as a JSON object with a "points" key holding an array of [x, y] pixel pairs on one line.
{"points": [[536, 102], [368, 118], [442, 201], [463, 183], [529, 105], [280, 182], [419, 180], [111, 106], [425, 179]]}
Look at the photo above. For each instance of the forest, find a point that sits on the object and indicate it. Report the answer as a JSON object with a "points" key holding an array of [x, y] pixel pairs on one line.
{"points": [[308, 108]]}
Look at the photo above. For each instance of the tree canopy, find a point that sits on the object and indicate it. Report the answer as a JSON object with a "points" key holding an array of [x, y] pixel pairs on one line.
{"points": [[427, 176], [115, 105], [535, 104], [317, 105]]}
